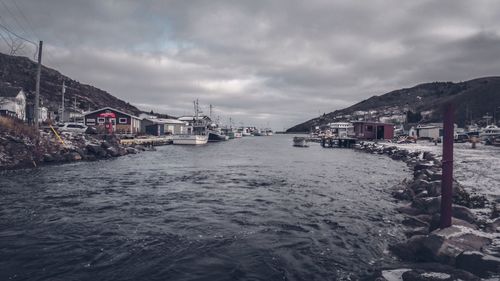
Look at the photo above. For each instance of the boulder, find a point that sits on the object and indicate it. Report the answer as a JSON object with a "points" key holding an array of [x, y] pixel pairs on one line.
{"points": [[434, 188], [48, 158], [412, 221], [96, 150], [442, 245], [105, 145], [131, 150], [72, 156], [436, 218], [408, 210], [478, 263], [417, 231], [428, 205], [113, 151], [403, 194], [140, 147], [437, 275], [463, 213]]}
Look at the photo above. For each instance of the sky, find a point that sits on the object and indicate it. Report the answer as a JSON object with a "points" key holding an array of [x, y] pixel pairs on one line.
{"points": [[263, 63]]}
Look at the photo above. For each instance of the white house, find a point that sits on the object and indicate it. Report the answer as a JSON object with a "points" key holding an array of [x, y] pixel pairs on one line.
{"points": [[12, 102]]}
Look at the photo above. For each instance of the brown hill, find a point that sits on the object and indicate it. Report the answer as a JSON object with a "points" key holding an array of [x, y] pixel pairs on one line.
{"points": [[21, 72], [473, 99]]}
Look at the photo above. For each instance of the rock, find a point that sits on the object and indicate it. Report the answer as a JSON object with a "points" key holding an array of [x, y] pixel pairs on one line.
{"points": [[478, 263], [105, 145], [131, 150], [423, 166], [48, 158], [463, 213], [417, 231], [71, 156], [432, 175], [437, 275], [140, 147], [442, 245], [96, 150], [113, 151], [419, 185], [428, 205], [434, 188], [403, 194], [409, 210], [435, 221], [412, 221], [428, 156]]}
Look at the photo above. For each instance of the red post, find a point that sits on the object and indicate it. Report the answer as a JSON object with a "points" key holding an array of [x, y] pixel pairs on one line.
{"points": [[447, 179]]}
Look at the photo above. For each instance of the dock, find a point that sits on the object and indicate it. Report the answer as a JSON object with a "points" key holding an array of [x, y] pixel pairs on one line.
{"points": [[342, 142], [151, 141], [326, 142]]}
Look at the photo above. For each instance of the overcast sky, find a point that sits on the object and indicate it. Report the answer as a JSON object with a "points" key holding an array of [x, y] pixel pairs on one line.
{"points": [[260, 62]]}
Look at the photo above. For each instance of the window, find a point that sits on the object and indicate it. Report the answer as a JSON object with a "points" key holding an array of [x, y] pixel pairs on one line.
{"points": [[369, 128], [90, 121], [101, 120], [122, 120]]}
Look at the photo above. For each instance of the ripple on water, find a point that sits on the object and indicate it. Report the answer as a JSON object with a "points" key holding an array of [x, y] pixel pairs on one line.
{"points": [[249, 209]]}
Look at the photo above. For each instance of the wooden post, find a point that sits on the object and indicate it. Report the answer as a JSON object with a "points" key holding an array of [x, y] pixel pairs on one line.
{"points": [[447, 178]]}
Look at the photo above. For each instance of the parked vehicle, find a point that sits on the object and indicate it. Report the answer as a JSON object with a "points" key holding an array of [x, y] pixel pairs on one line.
{"points": [[73, 127], [461, 138]]}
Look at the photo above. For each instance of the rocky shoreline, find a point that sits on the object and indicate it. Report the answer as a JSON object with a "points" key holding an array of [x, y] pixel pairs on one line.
{"points": [[464, 251], [21, 151]]}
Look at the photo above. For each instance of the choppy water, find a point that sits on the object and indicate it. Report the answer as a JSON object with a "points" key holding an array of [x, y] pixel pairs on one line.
{"points": [[249, 209]]}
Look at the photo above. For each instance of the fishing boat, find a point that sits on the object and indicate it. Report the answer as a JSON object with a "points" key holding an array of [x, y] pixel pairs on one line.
{"points": [[197, 130], [190, 139]]}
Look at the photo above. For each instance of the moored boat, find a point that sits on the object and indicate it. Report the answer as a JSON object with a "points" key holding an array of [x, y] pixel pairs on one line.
{"points": [[197, 130], [190, 139], [300, 142]]}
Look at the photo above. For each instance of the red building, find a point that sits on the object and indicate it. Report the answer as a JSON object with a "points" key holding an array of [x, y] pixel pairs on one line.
{"points": [[366, 130], [113, 121]]}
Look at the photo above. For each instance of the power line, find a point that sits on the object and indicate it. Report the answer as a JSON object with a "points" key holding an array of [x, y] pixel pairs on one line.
{"points": [[18, 36], [28, 22], [13, 16]]}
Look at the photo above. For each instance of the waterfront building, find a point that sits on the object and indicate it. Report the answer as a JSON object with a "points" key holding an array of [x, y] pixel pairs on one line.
{"points": [[162, 126], [366, 130], [113, 120], [12, 102]]}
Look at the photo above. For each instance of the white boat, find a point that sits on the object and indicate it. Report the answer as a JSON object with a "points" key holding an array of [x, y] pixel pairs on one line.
{"points": [[190, 139], [197, 130], [238, 135]]}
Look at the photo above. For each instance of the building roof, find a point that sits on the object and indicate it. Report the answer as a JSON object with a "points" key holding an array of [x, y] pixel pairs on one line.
{"points": [[110, 108], [8, 91], [164, 121]]}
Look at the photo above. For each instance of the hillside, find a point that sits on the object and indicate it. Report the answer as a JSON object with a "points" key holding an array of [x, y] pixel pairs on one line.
{"points": [[21, 72], [473, 99]]}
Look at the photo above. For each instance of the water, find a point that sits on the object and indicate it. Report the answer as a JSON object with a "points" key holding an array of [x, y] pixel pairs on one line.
{"points": [[249, 209]]}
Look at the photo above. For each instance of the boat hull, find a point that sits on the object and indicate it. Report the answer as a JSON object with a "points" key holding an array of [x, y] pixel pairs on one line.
{"points": [[190, 139], [213, 137]]}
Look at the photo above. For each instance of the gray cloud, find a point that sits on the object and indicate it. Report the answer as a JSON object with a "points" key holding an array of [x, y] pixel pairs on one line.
{"points": [[277, 62]]}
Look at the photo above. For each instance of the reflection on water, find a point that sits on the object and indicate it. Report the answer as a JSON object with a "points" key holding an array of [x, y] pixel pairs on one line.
{"points": [[249, 209]]}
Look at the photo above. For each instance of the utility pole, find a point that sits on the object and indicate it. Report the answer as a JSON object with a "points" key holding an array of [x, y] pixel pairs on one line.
{"points": [[37, 89], [63, 90], [74, 109], [447, 166]]}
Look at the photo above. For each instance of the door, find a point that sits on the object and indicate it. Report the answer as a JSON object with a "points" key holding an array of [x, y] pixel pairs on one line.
{"points": [[380, 132]]}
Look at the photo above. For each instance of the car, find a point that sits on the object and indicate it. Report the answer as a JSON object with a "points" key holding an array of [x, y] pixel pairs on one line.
{"points": [[73, 127]]}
